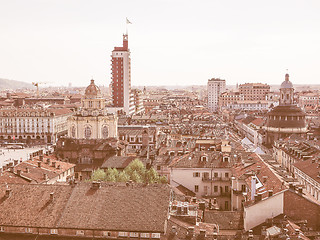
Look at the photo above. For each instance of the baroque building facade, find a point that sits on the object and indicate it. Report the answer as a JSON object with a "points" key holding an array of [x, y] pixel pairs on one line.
{"points": [[93, 121]]}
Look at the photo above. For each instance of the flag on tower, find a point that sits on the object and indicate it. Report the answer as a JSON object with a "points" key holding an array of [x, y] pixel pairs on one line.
{"points": [[128, 22]]}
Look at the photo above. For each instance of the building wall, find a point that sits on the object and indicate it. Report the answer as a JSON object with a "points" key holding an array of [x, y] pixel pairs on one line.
{"points": [[259, 212], [215, 87], [254, 91], [77, 126], [298, 208], [189, 178]]}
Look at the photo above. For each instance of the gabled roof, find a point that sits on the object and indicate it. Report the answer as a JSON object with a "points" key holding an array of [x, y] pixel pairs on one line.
{"points": [[113, 206]]}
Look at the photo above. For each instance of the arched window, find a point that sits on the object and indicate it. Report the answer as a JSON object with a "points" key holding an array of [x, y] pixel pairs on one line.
{"points": [[73, 131], [105, 132], [87, 132]]}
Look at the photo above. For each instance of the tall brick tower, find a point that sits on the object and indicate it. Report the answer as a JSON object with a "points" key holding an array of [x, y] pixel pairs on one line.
{"points": [[121, 75]]}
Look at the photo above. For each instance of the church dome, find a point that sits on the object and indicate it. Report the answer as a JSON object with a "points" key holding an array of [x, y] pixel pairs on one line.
{"points": [[92, 89], [286, 83]]}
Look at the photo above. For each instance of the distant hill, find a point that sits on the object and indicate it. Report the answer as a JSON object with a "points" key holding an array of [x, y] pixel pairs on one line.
{"points": [[12, 84]]}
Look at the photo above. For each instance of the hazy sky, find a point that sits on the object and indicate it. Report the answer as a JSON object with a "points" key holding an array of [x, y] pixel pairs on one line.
{"points": [[172, 42]]}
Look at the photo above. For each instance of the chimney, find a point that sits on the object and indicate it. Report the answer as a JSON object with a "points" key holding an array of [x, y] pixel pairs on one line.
{"points": [[27, 170], [253, 188], [270, 193], [258, 169], [45, 176], [15, 162], [291, 186], [51, 197], [264, 178], [250, 235], [54, 164], [173, 231], [41, 158], [190, 232], [259, 196], [202, 234], [300, 190], [39, 164], [8, 192], [96, 185], [19, 172], [11, 169], [48, 161]]}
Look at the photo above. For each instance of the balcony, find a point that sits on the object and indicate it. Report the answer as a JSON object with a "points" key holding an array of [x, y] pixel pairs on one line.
{"points": [[237, 192], [216, 179], [217, 194]]}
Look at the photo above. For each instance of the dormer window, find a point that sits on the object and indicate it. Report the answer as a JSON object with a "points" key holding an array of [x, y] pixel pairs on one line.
{"points": [[225, 159], [204, 158]]}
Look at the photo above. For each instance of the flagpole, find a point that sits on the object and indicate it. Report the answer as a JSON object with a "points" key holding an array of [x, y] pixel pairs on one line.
{"points": [[126, 26]]}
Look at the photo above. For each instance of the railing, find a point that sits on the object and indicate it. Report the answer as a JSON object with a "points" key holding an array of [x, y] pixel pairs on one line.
{"points": [[214, 179]]}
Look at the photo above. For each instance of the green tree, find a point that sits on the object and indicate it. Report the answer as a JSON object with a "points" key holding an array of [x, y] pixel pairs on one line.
{"points": [[112, 175], [151, 176], [123, 177], [136, 177], [163, 180], [136, 167], [98, 175]]}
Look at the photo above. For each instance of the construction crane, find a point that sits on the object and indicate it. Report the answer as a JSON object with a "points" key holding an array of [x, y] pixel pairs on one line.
{"points": [[36, 84]]}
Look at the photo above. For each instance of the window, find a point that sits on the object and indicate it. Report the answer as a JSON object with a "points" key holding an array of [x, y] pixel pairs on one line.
{"points": [[215, 188], [196, 188], [134, 234], [158, 168], [226, 189], [105, 132], [1, 229], [53, 231], [106, 233], [123, 234], [215, 174], [226, 205], [155, 235], [80, 232], [145, 235], [226, 175], [87, 132], [73, 131], [196, 174], [28, 230], [243, 188]]}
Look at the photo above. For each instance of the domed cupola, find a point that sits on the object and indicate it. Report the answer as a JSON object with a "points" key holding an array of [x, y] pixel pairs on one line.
{"points": [[92, 91], [286, 92]]}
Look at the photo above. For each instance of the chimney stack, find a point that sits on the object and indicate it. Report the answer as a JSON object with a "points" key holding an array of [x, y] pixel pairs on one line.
{"points": [[27, 170], [270, 193], [8, 192], [41, 158], [45, 176], [202, 234], [96, 185], [19, 172], [300, 190], [15, 162], [51, 197], [39, 164], [190, 232]]}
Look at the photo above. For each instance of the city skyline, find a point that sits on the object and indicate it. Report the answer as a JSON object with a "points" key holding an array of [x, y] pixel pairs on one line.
{"points": [[171, 43]]}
